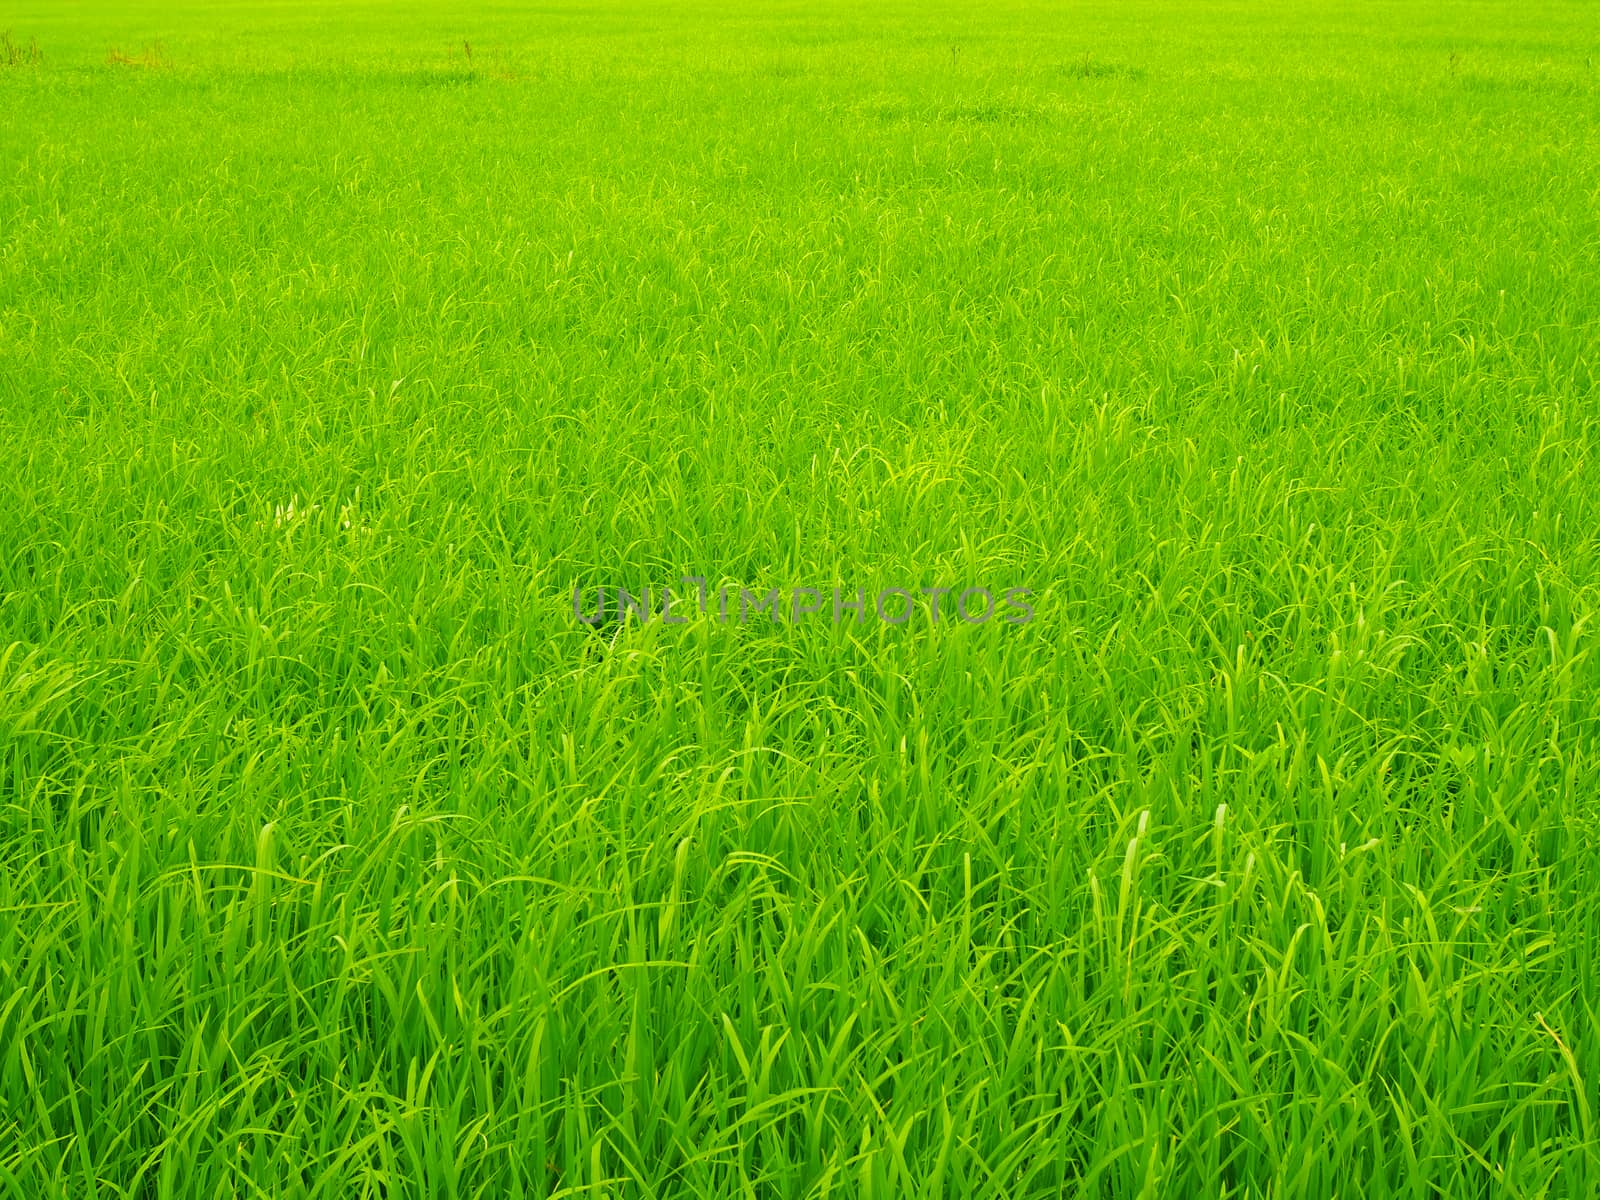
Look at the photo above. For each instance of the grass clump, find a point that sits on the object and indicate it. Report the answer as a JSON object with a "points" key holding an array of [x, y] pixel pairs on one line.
{"points": [[152, 56], [16, 54]]}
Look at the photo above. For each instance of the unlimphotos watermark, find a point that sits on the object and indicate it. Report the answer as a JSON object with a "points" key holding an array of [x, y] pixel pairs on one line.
{"points": [[738, 605]]}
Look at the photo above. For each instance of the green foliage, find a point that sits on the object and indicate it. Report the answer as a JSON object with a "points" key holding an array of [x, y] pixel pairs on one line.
{"points": [[338, 860]]}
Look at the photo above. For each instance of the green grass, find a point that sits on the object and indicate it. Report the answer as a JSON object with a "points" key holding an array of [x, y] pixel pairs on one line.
{"points": [[1260, 340]]}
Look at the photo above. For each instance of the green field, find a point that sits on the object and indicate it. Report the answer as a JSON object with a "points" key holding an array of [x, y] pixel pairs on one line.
{"points": [[1260, 342]]}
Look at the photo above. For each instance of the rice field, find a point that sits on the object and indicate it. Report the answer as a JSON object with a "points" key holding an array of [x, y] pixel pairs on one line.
{"points": [[1245, 356]]}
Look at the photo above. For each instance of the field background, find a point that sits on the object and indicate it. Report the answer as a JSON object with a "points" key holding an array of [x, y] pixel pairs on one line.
{"points": [[337, 344]]}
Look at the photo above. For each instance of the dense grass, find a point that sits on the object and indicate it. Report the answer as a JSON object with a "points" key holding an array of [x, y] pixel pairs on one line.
{"points": [[337, 348]]}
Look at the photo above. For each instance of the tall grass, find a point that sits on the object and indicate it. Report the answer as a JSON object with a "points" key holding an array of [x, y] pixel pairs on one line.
{"points": [[340, 860]]}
